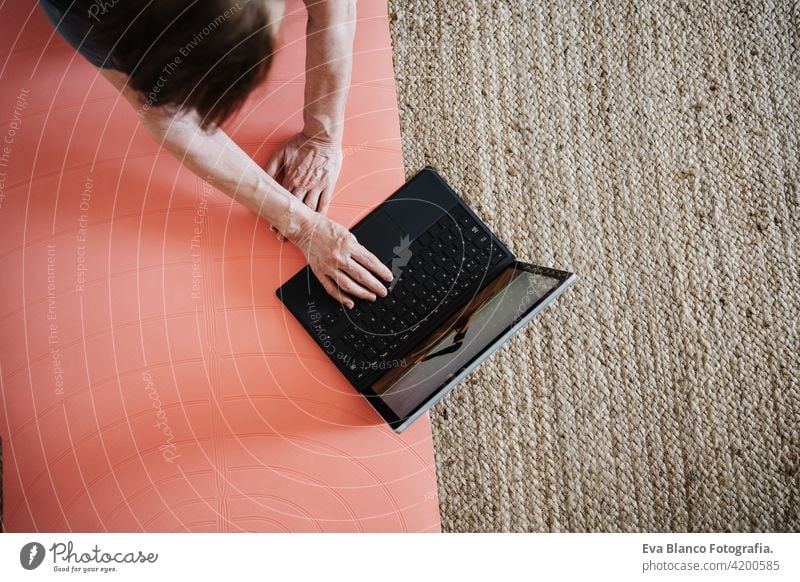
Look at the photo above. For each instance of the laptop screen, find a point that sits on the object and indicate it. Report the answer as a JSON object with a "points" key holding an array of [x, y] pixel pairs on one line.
{"points": [[462, 338]]}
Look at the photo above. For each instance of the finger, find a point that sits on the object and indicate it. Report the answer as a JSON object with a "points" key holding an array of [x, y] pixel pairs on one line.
{"points": [[298, 174], [302, 179], [371, 262], [275, 162], [346, 284], [325, 199], [335, 292], [366, 279], [312, 198], [314, 176]]}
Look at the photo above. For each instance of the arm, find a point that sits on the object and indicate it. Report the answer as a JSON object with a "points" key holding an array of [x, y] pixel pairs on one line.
{"points": [[310, 161], [340, 263], [215, 157], [329, 64]]}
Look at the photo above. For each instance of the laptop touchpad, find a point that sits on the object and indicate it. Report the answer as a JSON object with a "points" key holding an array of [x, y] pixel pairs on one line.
{"points": [[380, 234]]}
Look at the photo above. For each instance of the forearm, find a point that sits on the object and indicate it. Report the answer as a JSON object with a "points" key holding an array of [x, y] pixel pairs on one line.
{"points": [[329, 62], [216, 158], [344, 268]]}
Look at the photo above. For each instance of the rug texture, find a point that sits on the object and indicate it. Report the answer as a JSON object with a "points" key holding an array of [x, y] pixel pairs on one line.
{"points": [[652, 148]]}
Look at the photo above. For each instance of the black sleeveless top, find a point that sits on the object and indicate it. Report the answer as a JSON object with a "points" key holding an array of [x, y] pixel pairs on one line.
{"points": [[75, 21]]}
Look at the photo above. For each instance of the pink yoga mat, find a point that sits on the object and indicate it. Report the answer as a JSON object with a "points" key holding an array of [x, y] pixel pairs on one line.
{"points": [[151, 380]]}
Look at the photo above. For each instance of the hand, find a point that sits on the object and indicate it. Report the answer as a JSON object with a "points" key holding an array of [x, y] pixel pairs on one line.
{"points": [[342, 265], [309, 168]]}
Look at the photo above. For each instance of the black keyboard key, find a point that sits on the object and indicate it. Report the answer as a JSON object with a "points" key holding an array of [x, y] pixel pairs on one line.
{"points": [[472, 232], [446, 222], [449, 271], [452, 251], [432, 268], [426, 296], [399, 310], [448, 237], [483, 241]]}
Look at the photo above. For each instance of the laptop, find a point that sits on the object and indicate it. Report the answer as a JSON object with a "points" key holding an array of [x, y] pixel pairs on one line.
{"points": [[457, 295]]}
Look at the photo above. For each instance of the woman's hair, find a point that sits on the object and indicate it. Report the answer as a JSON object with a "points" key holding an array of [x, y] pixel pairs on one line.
{"points": [[200, 55]]}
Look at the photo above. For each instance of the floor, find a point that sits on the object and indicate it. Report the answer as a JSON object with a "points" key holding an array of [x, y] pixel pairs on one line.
{"points": [[654, 151], [652, 148]]}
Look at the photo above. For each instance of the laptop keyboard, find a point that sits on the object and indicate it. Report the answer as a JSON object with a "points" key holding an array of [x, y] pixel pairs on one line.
{"points": [[433, 274]]}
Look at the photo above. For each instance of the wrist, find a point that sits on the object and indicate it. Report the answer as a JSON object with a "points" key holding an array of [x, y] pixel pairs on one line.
{"points": [[327, 135], [296, 219], [286, 214]]}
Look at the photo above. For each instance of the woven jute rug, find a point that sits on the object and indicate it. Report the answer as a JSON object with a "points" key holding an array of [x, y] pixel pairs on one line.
{"points": [[652, 148]]}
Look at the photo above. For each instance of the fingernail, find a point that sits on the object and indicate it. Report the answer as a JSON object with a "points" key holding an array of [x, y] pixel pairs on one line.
{"points": [[349, 305], [372, 297]]}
